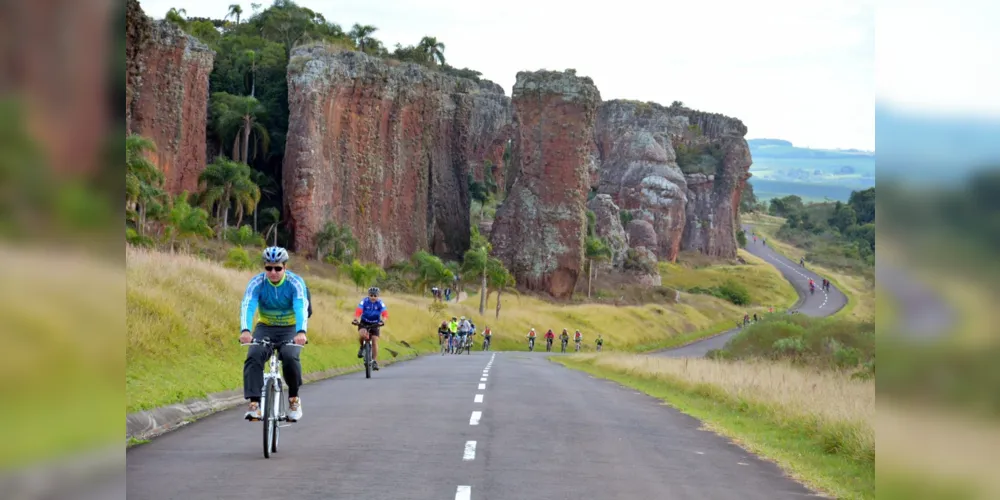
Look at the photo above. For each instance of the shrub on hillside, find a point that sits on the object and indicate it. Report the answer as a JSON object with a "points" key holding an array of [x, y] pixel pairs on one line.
{"points": [[730, 290], [823, 342], [238, 258]]}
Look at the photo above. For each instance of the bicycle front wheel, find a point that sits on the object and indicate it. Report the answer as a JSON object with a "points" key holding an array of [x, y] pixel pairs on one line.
{"points": [[268, 416], [368, 360]]}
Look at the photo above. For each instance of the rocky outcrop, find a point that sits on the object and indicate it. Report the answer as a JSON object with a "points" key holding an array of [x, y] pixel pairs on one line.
{"points": [[166, 96], [639, 169], [608, 226], [386, 148], [539, 230], [676, 168]]}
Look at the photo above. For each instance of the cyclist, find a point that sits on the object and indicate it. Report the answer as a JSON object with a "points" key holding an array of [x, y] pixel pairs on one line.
{"points": [[578, 337], [600, 341], [487, 337], [549, 337], [531, 338], [464, 329], [812, 285], [453, 327], [443, 332], [564, 337], [282, 300], [369, 316]]}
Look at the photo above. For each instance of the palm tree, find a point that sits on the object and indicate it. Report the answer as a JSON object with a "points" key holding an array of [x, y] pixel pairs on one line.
{"points": [[185, 221], [177, 16], [338, 239], [433, 48], [252, 56], [142, 178], [267, 185], [475, 262], [234, 11], [596, 250], [499, 279], [240, 115], [272, 217], [430, 271], [227, 182], [362, 36]]}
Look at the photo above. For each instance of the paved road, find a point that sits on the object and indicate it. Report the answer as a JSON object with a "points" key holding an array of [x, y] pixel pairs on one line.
{"points": [[819, 304], [541, 432], [482, 426]]}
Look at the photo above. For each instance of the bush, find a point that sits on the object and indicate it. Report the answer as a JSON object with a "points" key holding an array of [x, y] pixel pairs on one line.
{"points": [[238, 258], [741, 238], [133, 238], [824, 342], [735, 293]]}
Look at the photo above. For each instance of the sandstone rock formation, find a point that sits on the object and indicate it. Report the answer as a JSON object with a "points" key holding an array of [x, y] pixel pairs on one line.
{"points": [[385, 148], [608, 226], [676, 168], [166, 96], [539, 230]]}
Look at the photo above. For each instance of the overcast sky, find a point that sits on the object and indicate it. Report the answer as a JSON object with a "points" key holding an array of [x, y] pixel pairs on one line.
{"points": [[801, 71]]}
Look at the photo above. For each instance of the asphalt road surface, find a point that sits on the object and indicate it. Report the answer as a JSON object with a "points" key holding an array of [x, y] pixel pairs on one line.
{"points": [[821, 303], [503, 426], [507, 425]]}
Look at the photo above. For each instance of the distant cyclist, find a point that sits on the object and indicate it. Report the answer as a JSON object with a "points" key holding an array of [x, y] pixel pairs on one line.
{"points": [[599, 341], [282, 299], [464, 329], [578, 338], [564, 337], [370, 316], [487, 337], [549, 337], [531, 338]]}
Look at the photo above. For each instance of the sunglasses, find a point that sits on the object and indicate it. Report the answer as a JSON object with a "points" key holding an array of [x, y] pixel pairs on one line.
{"points": [[276, 269]]}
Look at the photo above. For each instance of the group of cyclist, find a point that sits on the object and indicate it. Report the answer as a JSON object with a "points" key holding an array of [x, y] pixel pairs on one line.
{"points": [[282, 300], [457, 334], [564, 337]]}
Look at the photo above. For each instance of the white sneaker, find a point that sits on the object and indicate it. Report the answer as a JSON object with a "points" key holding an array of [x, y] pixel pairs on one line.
{"points": [[253, 412], [294, 409]]}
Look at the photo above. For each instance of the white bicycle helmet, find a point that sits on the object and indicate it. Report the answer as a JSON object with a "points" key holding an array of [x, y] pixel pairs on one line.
{"points": [[275, 254]]}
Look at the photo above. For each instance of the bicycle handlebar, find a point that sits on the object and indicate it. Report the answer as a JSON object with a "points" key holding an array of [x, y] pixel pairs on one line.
{"points": [[268, 342]]}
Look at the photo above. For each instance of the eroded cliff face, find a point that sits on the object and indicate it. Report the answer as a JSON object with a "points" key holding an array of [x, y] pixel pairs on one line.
{"points": [[539, 230], [386, 149], [166, 96], [676, 169]]}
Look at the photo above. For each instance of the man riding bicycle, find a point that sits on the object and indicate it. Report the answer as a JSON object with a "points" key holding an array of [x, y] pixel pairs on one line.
{"points": [[370, 312], [443, 332], [281, 298], [564, 337], [464, 329], [599, 341], [531, 337], [487, 336], [549, 337], [578, 337]]}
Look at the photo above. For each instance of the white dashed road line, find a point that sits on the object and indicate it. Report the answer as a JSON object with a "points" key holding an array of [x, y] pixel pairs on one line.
{"points": [[482, 386], [474, 419], [483, 379], [479, 398], [470, 451], [463, 493], [826, 296]]}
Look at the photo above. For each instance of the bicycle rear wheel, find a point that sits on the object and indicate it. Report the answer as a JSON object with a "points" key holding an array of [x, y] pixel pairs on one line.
{"points": [[268, 417]]}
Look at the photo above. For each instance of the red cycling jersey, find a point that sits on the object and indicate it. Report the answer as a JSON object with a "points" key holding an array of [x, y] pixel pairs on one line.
{"points": [[550, 335]]}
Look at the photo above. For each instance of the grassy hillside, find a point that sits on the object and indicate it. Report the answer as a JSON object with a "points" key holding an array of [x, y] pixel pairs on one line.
{"points": [[763, 282], [182, 324]]}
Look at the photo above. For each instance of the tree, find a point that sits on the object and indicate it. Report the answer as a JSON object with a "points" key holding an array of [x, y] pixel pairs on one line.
{"points": [[272, 217], [432, 48], [338, 239], [227, 182], [474, 263], [142, 179], [239, 116], [186, 222], [748, 200], [178, 17], [364, 275], [430, 271], [595, 250], [863, 203], [234, 11], [843, 217], [362, 36], [499, 279]]}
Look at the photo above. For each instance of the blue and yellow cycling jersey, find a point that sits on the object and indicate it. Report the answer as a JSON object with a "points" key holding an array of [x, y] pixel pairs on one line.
{"points": [[280, 304]]}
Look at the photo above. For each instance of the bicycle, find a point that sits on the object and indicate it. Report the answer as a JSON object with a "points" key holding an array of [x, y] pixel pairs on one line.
{"points": [[445, 343], [548, 345], [578, 342], [564, 343], [599, 346], [469, 343], [486, 343], [531, 344], [366, 346], [270, 413]]}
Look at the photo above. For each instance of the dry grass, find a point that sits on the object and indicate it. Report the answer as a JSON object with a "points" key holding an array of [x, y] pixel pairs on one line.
{"points": [[182, 324], [932, 446], [841, 410]]}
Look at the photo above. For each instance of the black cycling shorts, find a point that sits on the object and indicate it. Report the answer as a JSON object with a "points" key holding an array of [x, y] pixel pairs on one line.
{"points": [[373, 328]]}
